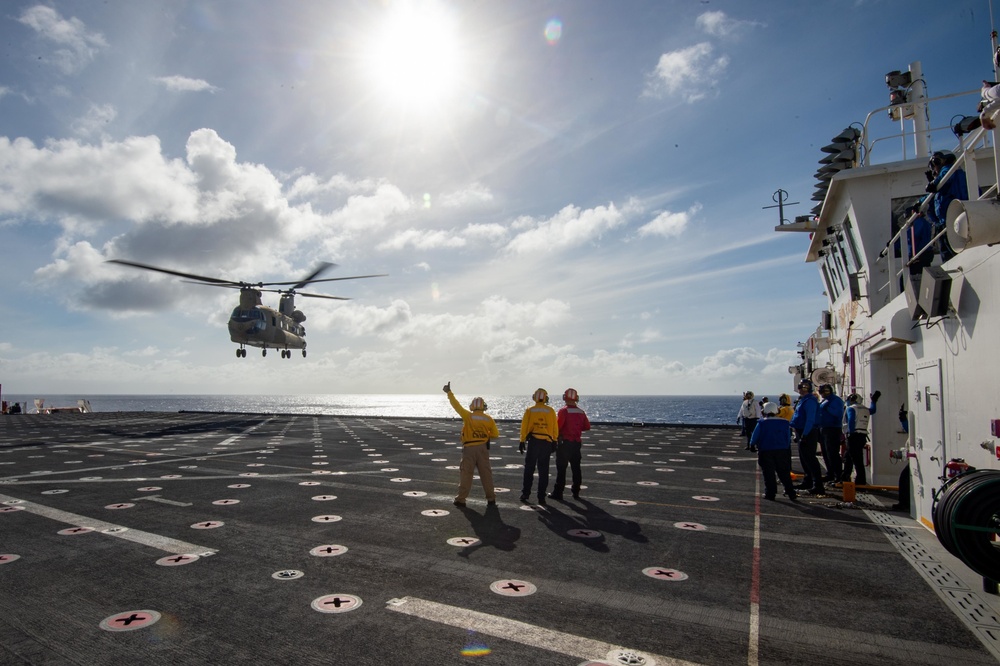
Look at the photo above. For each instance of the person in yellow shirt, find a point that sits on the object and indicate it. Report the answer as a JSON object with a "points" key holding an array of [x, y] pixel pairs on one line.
{"points": [[478, 428], [539, 434], [785, 409]]}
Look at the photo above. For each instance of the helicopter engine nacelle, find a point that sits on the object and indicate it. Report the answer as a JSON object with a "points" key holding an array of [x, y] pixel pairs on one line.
{"points": [[298, 316]]}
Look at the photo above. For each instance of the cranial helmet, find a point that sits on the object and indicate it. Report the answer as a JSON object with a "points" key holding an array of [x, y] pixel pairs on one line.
{"points": [[853, 399], [807, 384], [570, 395], [769, 409], [477, 404], [541, 395]]}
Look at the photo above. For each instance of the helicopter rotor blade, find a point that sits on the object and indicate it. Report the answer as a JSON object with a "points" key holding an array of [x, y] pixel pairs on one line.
{"points": [[147, 267], [235, 285], [319, 270], [332, 298], [352, 277]]}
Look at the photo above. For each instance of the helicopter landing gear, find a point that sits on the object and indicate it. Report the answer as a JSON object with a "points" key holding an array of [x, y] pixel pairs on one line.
{"points": [[263, 352], [303, 353], [286, 353], [241, 353]]}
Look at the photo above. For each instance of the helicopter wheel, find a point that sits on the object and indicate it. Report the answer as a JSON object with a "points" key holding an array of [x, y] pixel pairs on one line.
{"points": [[303, 353], [263, 352]]}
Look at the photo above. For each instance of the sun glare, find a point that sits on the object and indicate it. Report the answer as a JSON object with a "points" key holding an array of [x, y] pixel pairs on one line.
{"points": [[413, 59]]}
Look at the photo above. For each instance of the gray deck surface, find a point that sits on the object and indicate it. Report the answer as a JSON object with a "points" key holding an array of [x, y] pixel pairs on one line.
{"points": [[735, 579]]}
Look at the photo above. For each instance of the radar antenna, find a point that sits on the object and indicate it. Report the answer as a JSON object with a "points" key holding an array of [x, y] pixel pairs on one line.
{"points": [[780, 198]]}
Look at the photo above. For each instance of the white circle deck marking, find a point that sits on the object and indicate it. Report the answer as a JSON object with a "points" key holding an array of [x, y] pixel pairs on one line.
{"points": [[224, 502], [622, 502], [237, 486], [7, 558], [129, 620], [584, 534], [324, 498], [697, 527], [716, 480], [120, 505], [664, 469], [647, 483], [165, 476], [705, 498], [720, 467], [676, 459], [287, 574], [501, 490], [604, 471], [660, 573], [54, 492], [177, 560], [115, 530], [208, 525], [513, 588], [328, 550], [399, 480], [148, 489], [463, 542], [336, 603], [10, 509], [326, 519], [72, 531], [389, 469], [309, 483], [414, 493], [434, 512]]}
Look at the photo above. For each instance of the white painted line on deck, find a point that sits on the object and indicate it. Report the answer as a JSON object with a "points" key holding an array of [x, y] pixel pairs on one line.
{"points": [[753, 649], [163, 543], [521, 632]]}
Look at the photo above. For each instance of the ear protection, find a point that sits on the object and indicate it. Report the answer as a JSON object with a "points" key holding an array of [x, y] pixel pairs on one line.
{"points": [[541, 395], [477, 403]]}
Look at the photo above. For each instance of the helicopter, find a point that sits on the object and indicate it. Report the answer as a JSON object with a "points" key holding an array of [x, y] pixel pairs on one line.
{"points": [[257, 325]]}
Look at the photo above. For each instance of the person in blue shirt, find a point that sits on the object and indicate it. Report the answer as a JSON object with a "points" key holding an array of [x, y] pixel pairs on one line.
{"points": [[831, 423], [805, 422], [918, 236], [772, 438], [857, 436], [940, 195]]}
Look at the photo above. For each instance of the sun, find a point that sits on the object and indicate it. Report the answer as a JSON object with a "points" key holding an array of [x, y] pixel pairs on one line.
{"points": [[413, 58]]}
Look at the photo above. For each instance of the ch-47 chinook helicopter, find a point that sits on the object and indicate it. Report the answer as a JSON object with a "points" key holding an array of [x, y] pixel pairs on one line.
{"points": [[257, 325]]}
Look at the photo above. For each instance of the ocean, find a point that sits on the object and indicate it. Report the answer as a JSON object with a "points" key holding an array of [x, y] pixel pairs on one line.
{"points": [[704, 409]]}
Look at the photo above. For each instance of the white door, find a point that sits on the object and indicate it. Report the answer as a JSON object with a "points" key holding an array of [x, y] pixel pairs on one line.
{"points": [[928, 438]]}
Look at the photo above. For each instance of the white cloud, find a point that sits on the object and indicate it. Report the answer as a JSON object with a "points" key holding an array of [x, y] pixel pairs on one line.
{"points": [[93, 123], [718, 24], [475, 195], [689, 73], [184, 84], [570, 227], [421, 240], [76, 46], [491, 233], [668, 224]]}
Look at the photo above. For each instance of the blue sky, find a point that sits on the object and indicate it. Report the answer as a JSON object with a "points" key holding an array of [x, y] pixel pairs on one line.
{"points": [[563, 193]]}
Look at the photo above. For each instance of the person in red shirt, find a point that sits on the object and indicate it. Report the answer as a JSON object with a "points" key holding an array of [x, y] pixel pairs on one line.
{"points": [[572, 422]]}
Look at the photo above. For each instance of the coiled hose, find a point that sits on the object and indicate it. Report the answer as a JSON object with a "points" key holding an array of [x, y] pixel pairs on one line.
{"points": [[967, 517]]}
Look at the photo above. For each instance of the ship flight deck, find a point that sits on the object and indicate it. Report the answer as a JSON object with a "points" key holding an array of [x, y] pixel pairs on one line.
{"points": [[197, 538]]}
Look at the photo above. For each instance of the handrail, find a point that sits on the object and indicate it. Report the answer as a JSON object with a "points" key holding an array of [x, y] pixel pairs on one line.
{"points": [[866, 158]]}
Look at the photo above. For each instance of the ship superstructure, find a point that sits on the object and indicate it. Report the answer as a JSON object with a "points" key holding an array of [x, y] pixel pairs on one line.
{"points": [[926, 337]]}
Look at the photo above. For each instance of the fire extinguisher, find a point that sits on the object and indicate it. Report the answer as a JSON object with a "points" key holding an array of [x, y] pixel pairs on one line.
{"points": [[868, 455]]}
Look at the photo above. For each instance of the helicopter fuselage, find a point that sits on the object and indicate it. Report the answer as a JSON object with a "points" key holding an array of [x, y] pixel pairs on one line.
{"points": [[266, 328]]}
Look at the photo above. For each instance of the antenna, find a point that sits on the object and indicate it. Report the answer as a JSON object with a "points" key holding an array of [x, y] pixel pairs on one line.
{"points": [[780, 198]]}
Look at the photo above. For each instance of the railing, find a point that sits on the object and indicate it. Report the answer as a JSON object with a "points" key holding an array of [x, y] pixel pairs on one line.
{"points": [[965, 155]]}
